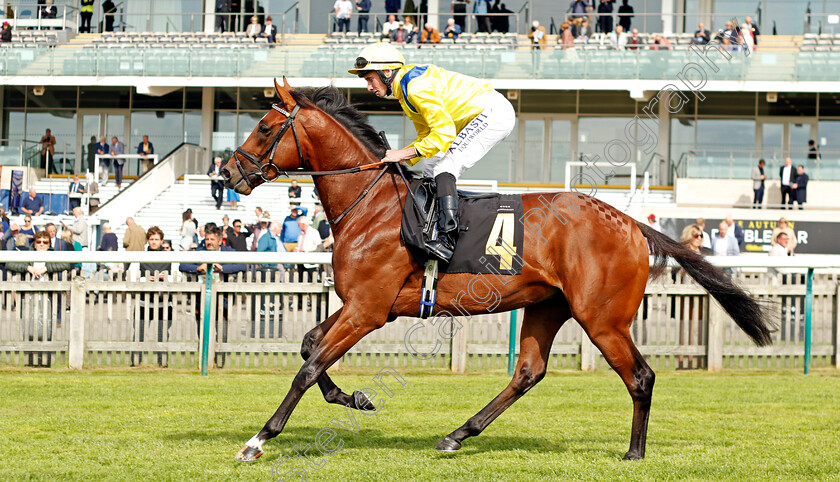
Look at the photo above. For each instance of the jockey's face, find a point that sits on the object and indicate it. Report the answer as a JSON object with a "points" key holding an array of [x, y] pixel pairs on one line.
{"points": [[374, 83]]}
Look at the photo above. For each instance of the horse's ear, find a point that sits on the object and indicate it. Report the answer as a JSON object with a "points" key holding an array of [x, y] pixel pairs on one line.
{"points": [[283, 93], [286, 84]]}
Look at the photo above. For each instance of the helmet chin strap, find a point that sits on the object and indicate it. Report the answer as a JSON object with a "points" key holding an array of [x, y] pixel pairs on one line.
{"points": [[387, 81]]}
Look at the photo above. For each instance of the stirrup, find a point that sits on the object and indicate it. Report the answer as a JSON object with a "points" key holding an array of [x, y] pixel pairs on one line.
{"points": [[428, 292]]}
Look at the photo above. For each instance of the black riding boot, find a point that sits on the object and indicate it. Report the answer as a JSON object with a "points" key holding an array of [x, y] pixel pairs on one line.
{"points": [[444, 246]]}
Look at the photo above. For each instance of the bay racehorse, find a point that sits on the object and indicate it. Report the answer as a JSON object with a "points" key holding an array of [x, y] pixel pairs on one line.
{"points": [[588, 261]]}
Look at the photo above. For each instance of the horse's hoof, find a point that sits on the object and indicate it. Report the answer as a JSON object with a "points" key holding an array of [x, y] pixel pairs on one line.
{"points": [[363, 402], [633, 456], [448, 445], [248, 454]]}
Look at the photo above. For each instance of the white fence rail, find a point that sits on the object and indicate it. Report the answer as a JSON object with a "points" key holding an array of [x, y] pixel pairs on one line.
{"points": [[258, 319]]}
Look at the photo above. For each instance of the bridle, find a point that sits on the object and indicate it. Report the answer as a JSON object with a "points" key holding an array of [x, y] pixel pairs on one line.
{"points": [[265, 167], [269, 153]]}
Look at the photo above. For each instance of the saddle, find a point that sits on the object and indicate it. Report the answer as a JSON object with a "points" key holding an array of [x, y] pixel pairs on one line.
{"points": [[482, 216]]}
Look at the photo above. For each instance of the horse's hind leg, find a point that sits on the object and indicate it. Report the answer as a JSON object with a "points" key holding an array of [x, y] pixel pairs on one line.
{"points": [[332, 394], [621, 353], [539, 326]]}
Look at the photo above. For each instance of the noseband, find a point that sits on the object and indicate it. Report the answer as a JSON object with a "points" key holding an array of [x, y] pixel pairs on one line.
{"points": [[266, 166]]}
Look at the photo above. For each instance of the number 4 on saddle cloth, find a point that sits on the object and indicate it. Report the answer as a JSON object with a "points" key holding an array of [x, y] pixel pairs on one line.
{"points": [[490, 238]]}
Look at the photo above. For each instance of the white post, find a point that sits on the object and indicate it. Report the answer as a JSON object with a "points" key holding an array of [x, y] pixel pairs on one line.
{"points": [[667, 16], [76, 349], [186, 190], [714, 348], [632, 179], [646, 188], [434, 9], [459, 345], [209, 16], [587, 352], [568, 177]]}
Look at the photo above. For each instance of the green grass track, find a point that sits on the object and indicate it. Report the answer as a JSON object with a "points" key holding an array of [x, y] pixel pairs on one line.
{"points": [[152, 424]]}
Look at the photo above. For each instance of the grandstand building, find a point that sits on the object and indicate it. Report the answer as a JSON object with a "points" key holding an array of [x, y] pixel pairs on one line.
{"points": [[689, 122]]}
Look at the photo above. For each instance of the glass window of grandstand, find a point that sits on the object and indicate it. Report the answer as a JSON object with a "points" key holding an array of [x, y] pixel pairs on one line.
{"points": [[724, 149], [605, 141], [545, 148], [827, 162]]}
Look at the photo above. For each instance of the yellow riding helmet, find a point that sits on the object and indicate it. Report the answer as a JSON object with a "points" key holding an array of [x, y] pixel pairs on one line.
{"points": [[378, 56]]}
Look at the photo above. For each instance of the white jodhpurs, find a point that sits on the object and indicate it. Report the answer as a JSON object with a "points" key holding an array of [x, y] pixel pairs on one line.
{"points": [[490, 127]]}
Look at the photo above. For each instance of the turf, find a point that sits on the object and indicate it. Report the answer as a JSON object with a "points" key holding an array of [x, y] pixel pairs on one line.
{"points": [[168, 425]]}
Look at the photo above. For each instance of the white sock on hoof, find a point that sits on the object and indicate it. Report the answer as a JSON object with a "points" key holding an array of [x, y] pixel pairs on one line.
{"points": [[255, 443]]}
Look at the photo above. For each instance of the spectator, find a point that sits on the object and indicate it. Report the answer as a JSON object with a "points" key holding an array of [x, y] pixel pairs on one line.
{"points": [[735, 230], [392, 6], [28, 230], [32, 205], [217, 183], [225, 226], [79, 228], [146, 148], [200, 235], [291, 230], [6, 33], [93, 191], [109, 10], [625, 15], [701, 223], [9, 241], [634, 42], [233, 198], [135, 236], [654, 223], [618, 39], [787, 174], [56, 243], [758, 177], [567, 40], [154, 272], [692, 238], [255, 227], [109, 239], [725, 245], [254, 29], [746, 38], [37, 304], [800, 186], [660, 43], [48, 152], [223, 14], [452, 30], [309, 241], [269, 31], [783, 227], [49, 10], [430, 35], [481, 8], [294, 190], [271, 242], [260, 229], [585, 31], [701, 35], [343, 9], [412, 36], [236, 237], [166, 246], [495, 16], [4, 220], [91, 154], [214, 243], [101, 148], [577, 9], [67, 237], [363, 7], [76, 187], [537, 35], [319, 222], [390, 26], [729, 33], [752, 29], [504, 20], [187, 231], [605, 20], [118, 149], [399, 35], [86, 14], [813, 151], [781, 243]]}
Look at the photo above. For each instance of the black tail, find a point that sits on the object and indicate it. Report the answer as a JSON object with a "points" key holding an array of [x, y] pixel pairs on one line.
{"points": [[748, 314]]}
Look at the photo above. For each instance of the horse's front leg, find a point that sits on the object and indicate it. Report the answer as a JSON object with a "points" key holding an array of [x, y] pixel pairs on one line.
{"points": [[332, 393], [345, 333]]}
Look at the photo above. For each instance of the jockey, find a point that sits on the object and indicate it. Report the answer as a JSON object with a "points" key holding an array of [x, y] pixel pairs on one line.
{"points": [[458, 120]]}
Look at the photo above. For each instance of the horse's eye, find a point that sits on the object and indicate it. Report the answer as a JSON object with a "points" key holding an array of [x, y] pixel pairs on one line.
{"points": [[264, 129]]}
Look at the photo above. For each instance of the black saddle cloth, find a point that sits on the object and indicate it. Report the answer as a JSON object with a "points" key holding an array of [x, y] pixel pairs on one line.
{"points": [[481, 214]]}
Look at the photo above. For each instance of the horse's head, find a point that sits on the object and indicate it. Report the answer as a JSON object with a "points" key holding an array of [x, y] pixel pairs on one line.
{"points": [[274, 146]]}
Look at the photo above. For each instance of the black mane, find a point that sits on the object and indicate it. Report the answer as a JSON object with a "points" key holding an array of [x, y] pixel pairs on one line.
{"points": [[334, 103]]}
